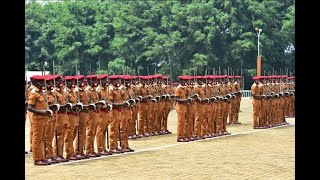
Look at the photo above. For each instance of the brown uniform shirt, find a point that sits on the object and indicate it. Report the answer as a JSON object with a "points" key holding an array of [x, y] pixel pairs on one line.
{"points": [[36, 98], [181, 92], [254, 89], [115, 95], [84, 96]]}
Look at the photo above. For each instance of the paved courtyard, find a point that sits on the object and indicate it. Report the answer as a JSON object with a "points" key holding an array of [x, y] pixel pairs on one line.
{"points": [[246, 154]]}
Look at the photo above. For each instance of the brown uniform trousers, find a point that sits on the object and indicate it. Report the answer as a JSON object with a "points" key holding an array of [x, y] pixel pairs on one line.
{"points": [[237, 108], [262, 112], [102, 127], [153, 112], [272, 111], [125, 118], [94, 117], [114, 128], [256, 102], [282, 109], [39, 124], [190, 119], [76, 130], [166, 111], [49, 134], [72, 119], [225, 116], [232, 110], [205, 124], [84, 118], [181, 108], [276, 110], [221, 116], [217, 116], [199, 118], [256, 109], [60, 132], [291, 105], [143, 111], [181, 125], [286, 105], [29, 114], [159, 116], [211, 118], [142, 117], [132, 130], [148, 125]]}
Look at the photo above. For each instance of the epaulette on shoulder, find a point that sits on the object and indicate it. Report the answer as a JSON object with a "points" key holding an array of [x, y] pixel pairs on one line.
{"points": [[33, 90]]}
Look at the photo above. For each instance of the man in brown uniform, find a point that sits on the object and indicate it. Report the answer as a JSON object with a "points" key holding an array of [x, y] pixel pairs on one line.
{"points": [[181, 108], [117, 103], [291, 96], [160, 104], [84, 116], [125, 113], [72, 111], [29, 89], [38, 106], [60, 128], [105, 116], [256, 102], [51, 125], [200, 112], [94, 100], [237, 92], [143, 117], [167, 106], [152, 110], [132, 90], [226, 105], [191, 107]]}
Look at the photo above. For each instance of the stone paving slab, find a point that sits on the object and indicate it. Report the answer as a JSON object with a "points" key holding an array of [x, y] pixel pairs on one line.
{"points": [[246, 154]]}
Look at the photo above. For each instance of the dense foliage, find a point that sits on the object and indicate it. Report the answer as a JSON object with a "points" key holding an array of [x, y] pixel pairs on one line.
{"points": [[168, 37]]}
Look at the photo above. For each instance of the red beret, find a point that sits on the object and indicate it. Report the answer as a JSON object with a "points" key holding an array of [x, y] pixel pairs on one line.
{"points": [[175, 83], [68, 78], [165, 77], [239, 77], [79, 77], [37, 77], [183, 78], [134, 77], [57, 76], [125, 77], [49, 77], [229, 77], [256, 77], [113, 77], [102, 76], [144, 77], [92, 76], [157, 75], [209, 76]]}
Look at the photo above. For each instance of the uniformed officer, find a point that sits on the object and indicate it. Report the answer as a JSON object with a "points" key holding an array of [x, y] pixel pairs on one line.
{"points": [[181, 108], [38, 106]]}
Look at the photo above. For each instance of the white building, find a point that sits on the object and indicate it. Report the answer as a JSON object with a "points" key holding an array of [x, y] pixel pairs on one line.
{"points": [[32, 73]]}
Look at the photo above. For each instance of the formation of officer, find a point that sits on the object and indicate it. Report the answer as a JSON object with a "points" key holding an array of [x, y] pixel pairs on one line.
{"points": [[273, 100], [204, 104], [68, 115]]}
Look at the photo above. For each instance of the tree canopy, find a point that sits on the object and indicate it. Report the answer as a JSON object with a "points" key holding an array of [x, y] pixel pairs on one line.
{"points": [[167, 37]]}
